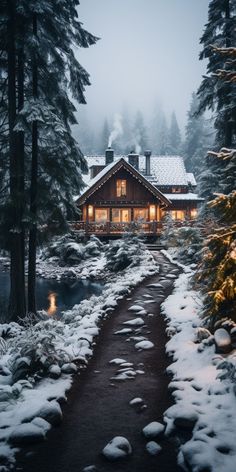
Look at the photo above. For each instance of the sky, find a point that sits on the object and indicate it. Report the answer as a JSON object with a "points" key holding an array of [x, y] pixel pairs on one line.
{"points": [[147, 54]]}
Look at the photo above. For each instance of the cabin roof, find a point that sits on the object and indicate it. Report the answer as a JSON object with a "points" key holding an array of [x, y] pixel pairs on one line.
{"points": [[165, 170], [112, 168]]}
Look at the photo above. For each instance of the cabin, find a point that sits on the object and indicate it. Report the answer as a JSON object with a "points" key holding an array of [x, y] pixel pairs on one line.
{"points": [[135, 191]]}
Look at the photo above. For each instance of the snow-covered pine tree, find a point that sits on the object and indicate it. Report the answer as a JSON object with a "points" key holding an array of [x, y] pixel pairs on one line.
{"points": [[163, 137], [216, 95], [139, 133], [217, 272], [60, 161], [198, 138], [174, 136]]}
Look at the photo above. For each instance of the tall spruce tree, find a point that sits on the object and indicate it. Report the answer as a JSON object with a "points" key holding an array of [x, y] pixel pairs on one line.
{"points": [[216, 95], [174, 136], [199, 137], [50, 70], [140, 142]]}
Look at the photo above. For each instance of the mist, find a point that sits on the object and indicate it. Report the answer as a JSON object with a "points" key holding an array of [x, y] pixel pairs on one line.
{"points": [[147, 58]]}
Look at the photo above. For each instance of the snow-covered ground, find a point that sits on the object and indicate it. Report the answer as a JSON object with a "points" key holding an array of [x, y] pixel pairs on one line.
{"points": [[203, 386], [38, 360]]}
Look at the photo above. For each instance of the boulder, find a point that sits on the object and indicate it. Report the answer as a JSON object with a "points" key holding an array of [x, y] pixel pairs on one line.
{"points": [[153, 448], [153, 430], [51, 412], [186, 420], [222, 341], [25, 434], [118, 448]]}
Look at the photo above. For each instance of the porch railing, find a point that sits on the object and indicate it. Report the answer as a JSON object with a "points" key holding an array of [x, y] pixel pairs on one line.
{"points": [[149, 227]]}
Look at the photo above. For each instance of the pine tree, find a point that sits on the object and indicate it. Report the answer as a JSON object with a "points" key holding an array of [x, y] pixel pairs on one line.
{"points": [[198, 138], [47, 68], [214, 94], [139, 133], [163, 138], [174, 136]]}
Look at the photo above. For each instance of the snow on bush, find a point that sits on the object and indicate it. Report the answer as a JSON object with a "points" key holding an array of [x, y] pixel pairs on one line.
{"points": [[203, 386], [39, 357]]}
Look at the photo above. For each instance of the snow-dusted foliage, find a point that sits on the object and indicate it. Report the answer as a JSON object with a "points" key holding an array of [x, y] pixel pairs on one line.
{"points": [[124, 252], [185, 240], [203, 384], [38, 358]]}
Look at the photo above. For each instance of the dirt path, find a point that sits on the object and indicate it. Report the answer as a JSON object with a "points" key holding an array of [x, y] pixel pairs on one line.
{"points": [[98, 408]]}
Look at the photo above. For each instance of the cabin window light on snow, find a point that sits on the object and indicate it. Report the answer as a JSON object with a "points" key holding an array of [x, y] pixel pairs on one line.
{"points": [[52, 298], [121, 188], [101, 215], [152, 212]]}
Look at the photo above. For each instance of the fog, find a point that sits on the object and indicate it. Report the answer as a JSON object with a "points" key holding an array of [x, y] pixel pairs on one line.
{"points": [[147, 55]]}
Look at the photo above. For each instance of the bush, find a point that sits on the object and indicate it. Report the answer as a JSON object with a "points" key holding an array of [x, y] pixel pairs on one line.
{"points": [[124, 252]]}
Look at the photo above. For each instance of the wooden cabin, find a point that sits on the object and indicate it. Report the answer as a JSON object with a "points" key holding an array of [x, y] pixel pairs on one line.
{"points": [[121, 195]]}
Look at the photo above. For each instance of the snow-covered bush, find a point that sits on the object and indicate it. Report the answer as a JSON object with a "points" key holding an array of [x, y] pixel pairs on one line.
{"points": [[34, 351], [124, 252], [71, 249], [186, 240]]}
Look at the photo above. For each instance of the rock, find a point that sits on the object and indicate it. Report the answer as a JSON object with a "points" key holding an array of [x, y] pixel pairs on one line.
{"points": [[69, 368], [153, 448], [124, 331], [186, 421], [201, 333], [117, 361], [118, 448], [153, 430], [135, 308], [41, 423], [90, 468], [222, 341], [144, 345], [51, 412], [26, 433], [136, 401], [134, 322], [54, 371]]}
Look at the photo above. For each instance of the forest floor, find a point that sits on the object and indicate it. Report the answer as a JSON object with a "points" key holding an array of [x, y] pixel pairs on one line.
{"points": [[98, 406]]}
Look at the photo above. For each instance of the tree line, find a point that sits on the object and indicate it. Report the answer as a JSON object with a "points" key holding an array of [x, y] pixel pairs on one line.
{"points": [[40, 161]]}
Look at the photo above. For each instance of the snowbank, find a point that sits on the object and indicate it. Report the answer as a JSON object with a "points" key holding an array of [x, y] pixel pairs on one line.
{"points": [[203, 386], [37, 360]]}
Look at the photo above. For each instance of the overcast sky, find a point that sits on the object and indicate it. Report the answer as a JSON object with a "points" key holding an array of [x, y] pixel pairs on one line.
{"points": [[148, 52]]}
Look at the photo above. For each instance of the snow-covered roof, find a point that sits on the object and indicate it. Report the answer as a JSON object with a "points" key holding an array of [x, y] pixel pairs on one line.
{"points": [[191, 179], [165, 170], [102, 176], [183, 197]]}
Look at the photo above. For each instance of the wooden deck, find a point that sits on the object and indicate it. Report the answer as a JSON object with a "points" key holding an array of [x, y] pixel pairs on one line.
{"points": [[150, 228]]}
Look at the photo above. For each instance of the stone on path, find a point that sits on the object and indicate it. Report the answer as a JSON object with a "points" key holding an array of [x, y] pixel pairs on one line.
{"points": [[118, 448], [153, 430], [153, 448]]}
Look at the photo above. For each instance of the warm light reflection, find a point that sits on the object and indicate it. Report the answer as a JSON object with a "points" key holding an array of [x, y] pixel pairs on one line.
{"points": [[52, 298]]}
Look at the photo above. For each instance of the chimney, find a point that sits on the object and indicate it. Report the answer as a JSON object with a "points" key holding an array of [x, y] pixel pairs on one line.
{"points": [[109, 155], [147, 155], [133, 159]]}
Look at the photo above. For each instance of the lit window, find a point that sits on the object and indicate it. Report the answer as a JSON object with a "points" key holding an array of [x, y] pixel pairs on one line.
{"points": [[121, 188], [152, 212], [101, 215], [141, 214], [90, 212], [120, 215], [193, 213], [176, 190], [177, 214]]}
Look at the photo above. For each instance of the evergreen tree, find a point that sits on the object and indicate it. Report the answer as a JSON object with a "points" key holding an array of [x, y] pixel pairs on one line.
{"points": [[198, 138], [163, 138], [47, 67], [174, 136], [216, 95], [139, 134]]}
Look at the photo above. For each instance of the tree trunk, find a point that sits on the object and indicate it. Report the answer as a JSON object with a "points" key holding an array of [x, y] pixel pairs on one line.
{"points": [[228, 123], [33, 192], [17, 306]]}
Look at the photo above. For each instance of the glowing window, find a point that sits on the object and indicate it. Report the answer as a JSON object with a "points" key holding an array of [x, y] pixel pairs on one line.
{"points": [[152, 212], [141, 214], [121, 188], [177, 214], [101, 215], [193, 213], [90, 212], [120, 215], [176, 189]]}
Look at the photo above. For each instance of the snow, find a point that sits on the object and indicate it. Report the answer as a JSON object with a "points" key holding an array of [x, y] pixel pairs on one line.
{"points": [[144, 345], [135, 308], [34, 402], [124, 331], [222, 338], [204, 394], [153, 448], [136, 401], [134, 322], [118, 448], [153, 430]]}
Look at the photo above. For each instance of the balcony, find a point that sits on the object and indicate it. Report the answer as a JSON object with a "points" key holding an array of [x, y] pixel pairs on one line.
{"points": [[149, 228]]}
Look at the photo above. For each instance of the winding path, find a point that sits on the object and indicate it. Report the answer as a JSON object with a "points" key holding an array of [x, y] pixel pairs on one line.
{"points": [[98, 407]]}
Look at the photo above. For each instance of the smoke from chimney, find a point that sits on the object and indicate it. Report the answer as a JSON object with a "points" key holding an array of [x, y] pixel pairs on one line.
{"points": [[117, 129]]}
